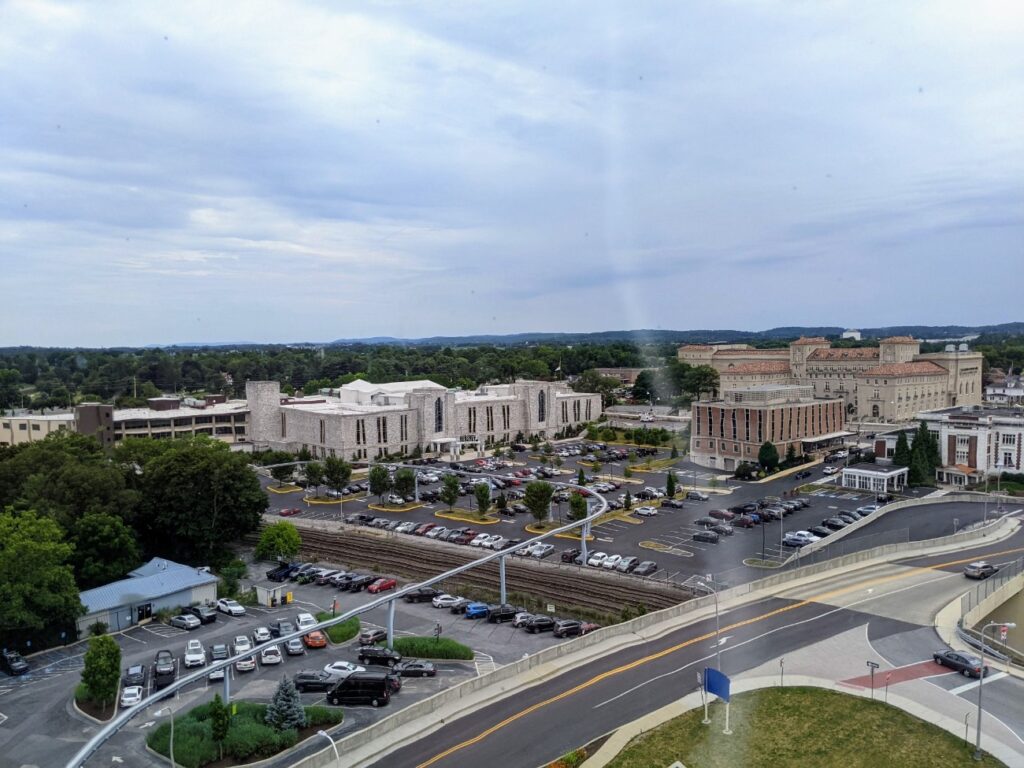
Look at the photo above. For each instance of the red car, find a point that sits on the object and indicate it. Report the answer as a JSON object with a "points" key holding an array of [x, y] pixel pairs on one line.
{"points": [[424, 529], [289, 512], [466, 537], [381, 585]]}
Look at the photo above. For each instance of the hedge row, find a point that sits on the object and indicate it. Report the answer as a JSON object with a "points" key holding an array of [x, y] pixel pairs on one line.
{"points": [[432, 648]]}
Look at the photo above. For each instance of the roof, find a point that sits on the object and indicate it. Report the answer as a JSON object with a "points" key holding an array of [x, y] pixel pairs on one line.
{"points": [[811, 340], [877, 469], [131, 414], [757, 352], [853, 353], [766, 366], [156, 565], [963, 469], [899, 340], [694, 348], [923, 368], [174, 578], [829, 436]]}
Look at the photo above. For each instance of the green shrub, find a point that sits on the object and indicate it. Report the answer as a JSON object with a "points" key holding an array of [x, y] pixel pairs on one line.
{"points": [[248, 738], [343, 632], [82, 693], [432, 648], [193, 742], [287, 739], [317, 716], [98, 628]]}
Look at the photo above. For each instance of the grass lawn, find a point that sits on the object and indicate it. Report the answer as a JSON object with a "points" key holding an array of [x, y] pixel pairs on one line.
{"points": [[340, 633], [796, 728]]}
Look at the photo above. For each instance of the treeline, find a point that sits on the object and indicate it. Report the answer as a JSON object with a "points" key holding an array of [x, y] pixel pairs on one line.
{"points": [[75, 517], [51, 378]]}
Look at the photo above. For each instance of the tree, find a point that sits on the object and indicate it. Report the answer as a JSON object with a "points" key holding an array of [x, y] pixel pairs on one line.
{"points": [[606, 386], [37, 586], [548, 448], [918, 474], [220, 722], [450, 491], [744, 471], [102, 671], [577, 506], [282, 473], [675, 451], [482, 492], [285, 710], [105, 549], [643, 386], [405, 482], [901, 455], [581, 479], [278, 540], [596, 466], [768, 456], [557, 461], [537, 498], [314, 474], [501, 502], [700, 379], [197, 497], [380, 481], [627, 503], [791, 454], [337, 473], [670, 485]]}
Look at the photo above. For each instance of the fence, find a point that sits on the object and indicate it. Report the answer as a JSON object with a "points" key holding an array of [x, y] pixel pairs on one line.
{"points": [[986, 597]]}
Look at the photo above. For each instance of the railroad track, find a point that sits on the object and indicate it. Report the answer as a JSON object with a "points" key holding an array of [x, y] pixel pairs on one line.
{"points": [[414, 559]]}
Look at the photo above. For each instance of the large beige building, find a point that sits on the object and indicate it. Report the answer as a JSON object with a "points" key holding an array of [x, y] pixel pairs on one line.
{"points": [[367, 421], [732, 430], [890, 382]]}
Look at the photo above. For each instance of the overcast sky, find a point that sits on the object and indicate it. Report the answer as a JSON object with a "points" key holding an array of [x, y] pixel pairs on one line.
{"points": [[176, 172]]}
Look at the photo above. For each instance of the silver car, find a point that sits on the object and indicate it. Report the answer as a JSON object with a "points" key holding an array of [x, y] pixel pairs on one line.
{"points": [[185, 621]]}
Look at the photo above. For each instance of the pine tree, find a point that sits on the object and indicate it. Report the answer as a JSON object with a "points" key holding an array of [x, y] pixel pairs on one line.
{"points": [[670, 485], [285, 710], [627, 503], [901, 456], [220, 722]]}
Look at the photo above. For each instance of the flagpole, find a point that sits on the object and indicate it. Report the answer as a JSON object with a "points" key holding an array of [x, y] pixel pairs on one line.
{"points": [[727, 732]]}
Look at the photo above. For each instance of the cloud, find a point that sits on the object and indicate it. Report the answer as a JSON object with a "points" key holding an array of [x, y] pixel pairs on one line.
{"points": [[301, 170]]}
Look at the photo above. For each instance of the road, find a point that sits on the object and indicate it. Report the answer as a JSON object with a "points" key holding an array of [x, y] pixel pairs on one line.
{"points": [[893, 603]]}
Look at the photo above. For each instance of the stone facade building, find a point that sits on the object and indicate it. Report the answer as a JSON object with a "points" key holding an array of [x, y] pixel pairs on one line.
{"points": [[365, 421], [732, 430]]}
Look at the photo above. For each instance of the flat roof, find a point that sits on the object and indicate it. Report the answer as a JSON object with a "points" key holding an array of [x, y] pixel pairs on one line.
{"points": [[231, 406], [876, 469], [829, 436]]}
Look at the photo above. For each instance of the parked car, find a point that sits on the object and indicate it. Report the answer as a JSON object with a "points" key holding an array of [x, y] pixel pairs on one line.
{"points": [[240, 645], [360, 582], [980, 570], [195, 654], [135, 675], [705, 522], [163, 662], [646, 511], [831, 470], [820, 531], [290, 512], [219, 652], [261, 635], [315, 639], [627, 564], [361, 688], [421, 595], [611, 561], [185, 621], [646, 568], [206, 614], [743, 521], [707, 537], [803, 473], [540, 624], [460, 605], [382, 585], [130, 696], [723, 529], [415, 668], [522, 619], [568, 628], [499, 614], [569, 555], [542, 550], [313, 680], [798, 539], [230, 607], [964, 663], [476, 611], [445, 601], [294, 647], [834, 523], [867, 509], [672, 503], [596, 559], [371, 654], [271, 655], [372, 636], [339, 669], [697, 496], [281, 627], [721, 514]]}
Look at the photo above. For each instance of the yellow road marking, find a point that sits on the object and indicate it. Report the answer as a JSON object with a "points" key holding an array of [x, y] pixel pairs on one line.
{"points": [[686, 643]]}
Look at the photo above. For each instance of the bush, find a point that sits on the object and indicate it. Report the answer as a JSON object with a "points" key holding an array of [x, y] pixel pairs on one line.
{"points": [[98, 628], [247, 738], [317, 716], [193, 742], [432, 648], [343, 632], [82, 693]]}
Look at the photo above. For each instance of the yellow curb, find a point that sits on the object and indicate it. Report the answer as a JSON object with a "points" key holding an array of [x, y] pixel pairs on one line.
{"points": [[284, 489], [573, 536], [534, 529], [786, 472], [626, 518], [749, 562], [308, 500], [404, 508], [655, 545], [466, 519]]}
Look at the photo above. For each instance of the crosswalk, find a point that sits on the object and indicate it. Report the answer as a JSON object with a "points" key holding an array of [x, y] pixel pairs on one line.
{"points": [[484, 663]]}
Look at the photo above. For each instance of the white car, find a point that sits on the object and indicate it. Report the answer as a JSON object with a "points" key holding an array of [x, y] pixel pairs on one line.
{"points": [[611, 561], [867, 509], [496, 542], [597, 559], [480, 539], [241, 645], [261, 635], [655, 492], [305, 621], [799, 538], [394, 500], [342, 668], [270, 655], [434, 533], [131, 696], [646, 511], [248, 664], [841, 454], [195, 654], [230, 607], [408, 527], [445, 601], [831, 470]]}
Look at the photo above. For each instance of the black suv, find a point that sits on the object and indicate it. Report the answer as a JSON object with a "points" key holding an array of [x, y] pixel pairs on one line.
{"points": [[135, 675], [370, 654], [501, 613], [219, 652], [540, 624], [280, 573], [206, 614], [313, 680], [568, 628], [12, 663], [422, 595], [359, 582], [569, 555], [281, 627]]}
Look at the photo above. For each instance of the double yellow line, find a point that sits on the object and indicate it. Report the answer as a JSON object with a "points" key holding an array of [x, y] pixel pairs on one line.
{"points": [[823, 596]]}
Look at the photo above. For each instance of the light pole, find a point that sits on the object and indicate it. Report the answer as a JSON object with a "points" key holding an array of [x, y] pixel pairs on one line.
{"points": [[161, 713], [981, 680], [718, 628], [337, 757]]}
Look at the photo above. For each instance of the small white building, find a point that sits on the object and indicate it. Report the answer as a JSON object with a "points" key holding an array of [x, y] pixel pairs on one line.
{"points": [[851, 334], [875, 478]]}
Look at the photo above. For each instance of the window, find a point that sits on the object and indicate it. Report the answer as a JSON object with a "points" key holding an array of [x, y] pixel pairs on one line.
{"points": [[506, 415], [588, 409], [565, 411], [541, 407], [438, 415], [576, 410], [35, 427], [403, 428], [490, 418], [1008, 439], [361, 433], [284, 426], [961, 456], [323, 431]]}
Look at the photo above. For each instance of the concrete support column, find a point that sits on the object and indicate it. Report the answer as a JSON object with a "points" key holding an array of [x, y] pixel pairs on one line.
{"points": [[391, 624], [583, 541], [227, 685], [501, 577]]}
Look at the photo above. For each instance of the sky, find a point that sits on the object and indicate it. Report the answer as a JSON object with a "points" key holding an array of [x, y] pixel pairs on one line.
{"points": [[301, 171]]}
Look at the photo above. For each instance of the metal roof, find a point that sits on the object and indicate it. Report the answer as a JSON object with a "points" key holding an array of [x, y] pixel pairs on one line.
{"points": [[174, 578]]}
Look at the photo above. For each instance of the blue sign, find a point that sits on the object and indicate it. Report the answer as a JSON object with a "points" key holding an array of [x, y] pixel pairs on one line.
{"points": [[717, 683]]}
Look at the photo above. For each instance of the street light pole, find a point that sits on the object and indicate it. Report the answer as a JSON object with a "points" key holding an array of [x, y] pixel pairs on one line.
{"points": [[718, 626], [981, 681], [337, 757], [169, 711]]}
